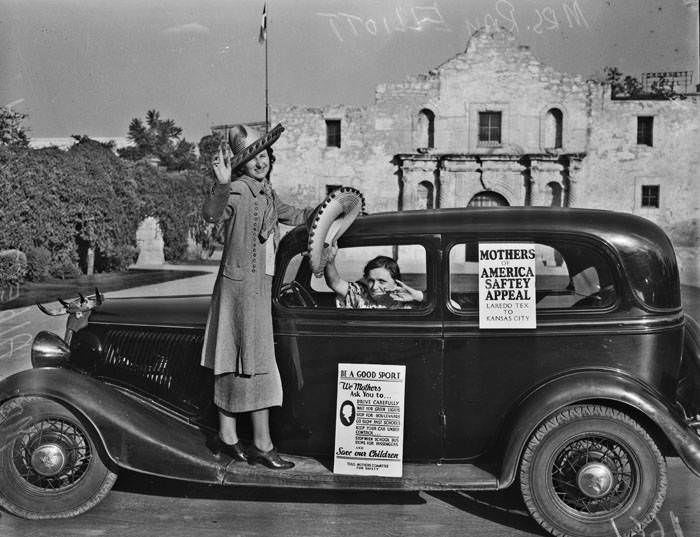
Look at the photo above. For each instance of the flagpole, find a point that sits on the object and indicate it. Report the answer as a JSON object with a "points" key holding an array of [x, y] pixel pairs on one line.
{"points": [[267, 102]]}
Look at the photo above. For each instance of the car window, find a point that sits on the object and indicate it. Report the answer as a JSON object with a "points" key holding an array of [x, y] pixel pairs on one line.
{"points": [[567, 276], [302, 289]]}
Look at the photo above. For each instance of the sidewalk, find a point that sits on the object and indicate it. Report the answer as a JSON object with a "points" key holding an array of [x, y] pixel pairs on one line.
{"points": [[19, 326], [198, 285]]}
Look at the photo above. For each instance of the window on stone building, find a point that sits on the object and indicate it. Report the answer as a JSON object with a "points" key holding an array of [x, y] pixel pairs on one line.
{"points": [[554, 126], [489, 128], [650, 196], [332, 133], [645, 130], [426, 129]]}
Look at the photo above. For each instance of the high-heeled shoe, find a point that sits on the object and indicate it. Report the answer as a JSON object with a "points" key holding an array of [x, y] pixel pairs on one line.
{"points": [[235, 451], [271, 458]]}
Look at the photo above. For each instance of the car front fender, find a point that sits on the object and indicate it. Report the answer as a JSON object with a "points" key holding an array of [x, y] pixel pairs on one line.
{"points": [[134, 433], [600, 386]]}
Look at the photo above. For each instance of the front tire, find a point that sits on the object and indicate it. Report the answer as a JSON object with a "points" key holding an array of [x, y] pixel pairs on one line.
{"points": [[49, 464], [591, 470]]}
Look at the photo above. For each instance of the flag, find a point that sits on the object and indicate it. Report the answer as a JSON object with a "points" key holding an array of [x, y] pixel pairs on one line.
{"points": [[263, 26]]}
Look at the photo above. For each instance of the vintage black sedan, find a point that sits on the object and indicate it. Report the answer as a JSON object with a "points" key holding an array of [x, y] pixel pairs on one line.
{"points": [[579, 409]]}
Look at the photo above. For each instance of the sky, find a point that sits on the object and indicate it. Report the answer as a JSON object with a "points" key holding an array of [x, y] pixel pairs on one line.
{"points": [[90, 66]]}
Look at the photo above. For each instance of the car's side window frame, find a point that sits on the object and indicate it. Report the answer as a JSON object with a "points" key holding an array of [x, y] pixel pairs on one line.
{"points": [[551, 239], [430, 244]]}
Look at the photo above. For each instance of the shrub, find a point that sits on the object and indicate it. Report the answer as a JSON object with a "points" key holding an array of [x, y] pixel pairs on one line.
{"points": [[13, 267], [38, 263], [65, 266], [87, 199], [113, 258]]}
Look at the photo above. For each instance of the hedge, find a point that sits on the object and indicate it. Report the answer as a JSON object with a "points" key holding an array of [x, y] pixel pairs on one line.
{"points": [[56, 205], [13, 267]]}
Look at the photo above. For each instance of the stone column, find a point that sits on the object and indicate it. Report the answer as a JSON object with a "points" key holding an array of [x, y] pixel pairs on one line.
{"points": [[504, 175], [573, 183], [459, 179], [545, 171], [416, 169]]}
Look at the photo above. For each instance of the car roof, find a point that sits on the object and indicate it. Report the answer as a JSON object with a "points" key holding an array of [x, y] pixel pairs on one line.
{"points": [[642, 247], [532, 219]]}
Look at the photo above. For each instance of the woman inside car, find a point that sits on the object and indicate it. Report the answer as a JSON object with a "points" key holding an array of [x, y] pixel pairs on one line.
{"points": [[380, 286]]}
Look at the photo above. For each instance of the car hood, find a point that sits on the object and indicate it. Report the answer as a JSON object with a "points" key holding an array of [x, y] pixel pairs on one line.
{"points": [[181, 311]]}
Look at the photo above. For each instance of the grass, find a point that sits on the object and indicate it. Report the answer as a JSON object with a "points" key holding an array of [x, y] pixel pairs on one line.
{"points": [[32, 292]]}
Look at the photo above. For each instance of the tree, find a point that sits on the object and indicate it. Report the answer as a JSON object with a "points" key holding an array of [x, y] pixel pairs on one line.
{"points": [[208, 148], [161, 139], [12, 132], [626, 86]]}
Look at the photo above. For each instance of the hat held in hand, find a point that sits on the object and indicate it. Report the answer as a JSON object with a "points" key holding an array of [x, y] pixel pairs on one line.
{"points": [[332, 218], [245, 142]]}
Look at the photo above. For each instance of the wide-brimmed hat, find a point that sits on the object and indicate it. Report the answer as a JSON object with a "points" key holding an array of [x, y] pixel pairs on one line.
{"points": [[246, 142], [331, 219]]}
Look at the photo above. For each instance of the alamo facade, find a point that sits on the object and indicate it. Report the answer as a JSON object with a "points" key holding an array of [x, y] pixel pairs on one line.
{"points": [[495, 126]]}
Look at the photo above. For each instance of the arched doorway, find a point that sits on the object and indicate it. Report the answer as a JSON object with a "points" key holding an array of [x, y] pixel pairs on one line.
{"points": [[488, 198]]}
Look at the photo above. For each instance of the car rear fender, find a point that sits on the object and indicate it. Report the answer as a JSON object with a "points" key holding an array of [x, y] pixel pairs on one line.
{"points": [[689, 383], [134, 433], [599, 386]]}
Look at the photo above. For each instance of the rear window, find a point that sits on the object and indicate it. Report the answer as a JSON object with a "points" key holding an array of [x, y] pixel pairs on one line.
{"points": [[567, 277]]}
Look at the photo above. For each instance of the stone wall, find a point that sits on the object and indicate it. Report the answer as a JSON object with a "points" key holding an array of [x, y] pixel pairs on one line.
{"points": [[305, 165], [616, 167]]}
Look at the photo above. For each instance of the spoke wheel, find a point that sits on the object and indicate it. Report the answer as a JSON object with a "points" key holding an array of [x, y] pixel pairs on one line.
{"points": [[594, 476], [49, 465], [592, 470]]}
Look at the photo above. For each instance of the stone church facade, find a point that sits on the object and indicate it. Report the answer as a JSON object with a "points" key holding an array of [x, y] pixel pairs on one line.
{"points": [[495, 126]]}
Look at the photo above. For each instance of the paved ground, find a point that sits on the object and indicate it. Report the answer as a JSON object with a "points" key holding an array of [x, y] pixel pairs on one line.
{"points": [[143, 507]]}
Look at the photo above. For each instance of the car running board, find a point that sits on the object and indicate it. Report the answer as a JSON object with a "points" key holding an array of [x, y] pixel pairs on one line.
{"points": [[312, 473]]}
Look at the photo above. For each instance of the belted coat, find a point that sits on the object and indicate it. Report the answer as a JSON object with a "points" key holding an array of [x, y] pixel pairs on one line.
{"points": [[238, 337]]}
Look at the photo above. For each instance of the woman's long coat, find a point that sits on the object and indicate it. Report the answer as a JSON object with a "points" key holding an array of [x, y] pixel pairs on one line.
{"points": [[238, 337]]}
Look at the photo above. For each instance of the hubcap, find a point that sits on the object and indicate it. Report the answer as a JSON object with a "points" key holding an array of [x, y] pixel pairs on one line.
{"points": [[52, 454], [595, 480], [48, 459], [593, 476]]}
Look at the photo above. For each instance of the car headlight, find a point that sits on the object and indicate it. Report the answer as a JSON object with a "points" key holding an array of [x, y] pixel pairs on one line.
{"points": [[49, 350]]}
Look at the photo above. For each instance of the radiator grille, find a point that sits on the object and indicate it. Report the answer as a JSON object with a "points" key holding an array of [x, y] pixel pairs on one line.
{"points": [[161, 363]]}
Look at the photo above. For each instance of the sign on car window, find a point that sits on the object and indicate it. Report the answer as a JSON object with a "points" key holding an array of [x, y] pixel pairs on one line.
{"points": [[507, 285]]}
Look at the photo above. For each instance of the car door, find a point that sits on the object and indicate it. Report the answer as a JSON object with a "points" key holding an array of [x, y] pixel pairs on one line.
{"points": [[487, 371], [312, 339]]}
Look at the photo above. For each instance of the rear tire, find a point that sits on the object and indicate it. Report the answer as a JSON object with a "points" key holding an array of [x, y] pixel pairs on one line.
{"points": [[592, 471], [49, 465]]}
